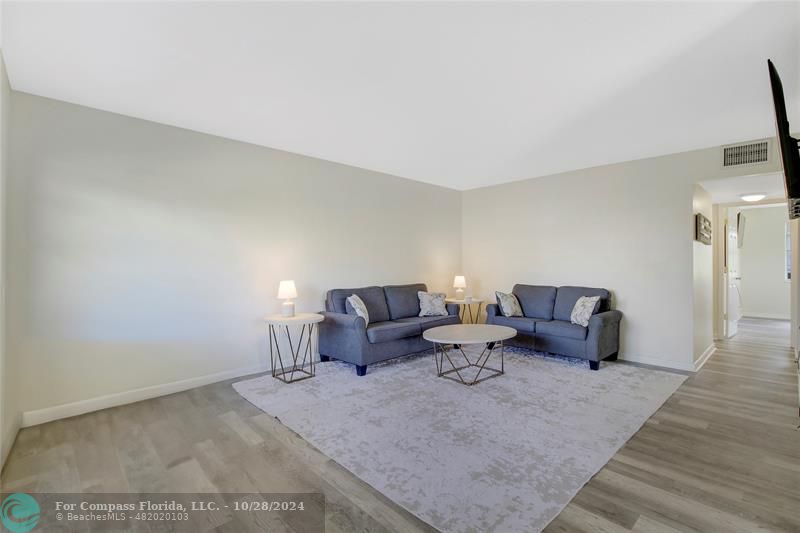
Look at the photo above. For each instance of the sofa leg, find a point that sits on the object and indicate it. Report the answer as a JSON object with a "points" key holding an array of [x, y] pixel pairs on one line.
{"points": [[324, 358], [594, 365], [612, 357], [361, 370]]}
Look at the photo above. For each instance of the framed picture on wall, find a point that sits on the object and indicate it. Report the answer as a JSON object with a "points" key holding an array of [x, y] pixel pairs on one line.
{"points": [[702, 229]]}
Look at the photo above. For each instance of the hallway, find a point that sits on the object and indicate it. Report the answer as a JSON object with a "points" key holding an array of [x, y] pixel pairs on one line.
{"points": [[722, 454]]}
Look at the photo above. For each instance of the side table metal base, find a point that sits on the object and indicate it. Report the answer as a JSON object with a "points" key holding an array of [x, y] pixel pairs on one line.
{"points": [[296, 371], [466, 310], [442, 352]]}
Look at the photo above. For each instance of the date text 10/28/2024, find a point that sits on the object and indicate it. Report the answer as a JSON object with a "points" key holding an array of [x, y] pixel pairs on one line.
{"points": [[174, 506]]}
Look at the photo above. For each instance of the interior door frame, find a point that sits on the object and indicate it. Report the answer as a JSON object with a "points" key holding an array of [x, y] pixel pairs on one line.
{"points": [[720, 243]]}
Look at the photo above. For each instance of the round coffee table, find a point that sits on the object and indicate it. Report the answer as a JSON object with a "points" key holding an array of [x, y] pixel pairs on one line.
{"points": [[489, 335]]}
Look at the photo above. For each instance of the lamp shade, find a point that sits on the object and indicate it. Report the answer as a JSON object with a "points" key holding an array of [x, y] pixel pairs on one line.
{"points": [[287, 290], [459, 282]]}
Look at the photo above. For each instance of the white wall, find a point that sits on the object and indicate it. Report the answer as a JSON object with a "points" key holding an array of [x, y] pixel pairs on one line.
{"points": [[703, 282], [143, 254], [627, 227], [9, 405], [719, 219], [765, 291], [794, 286]]}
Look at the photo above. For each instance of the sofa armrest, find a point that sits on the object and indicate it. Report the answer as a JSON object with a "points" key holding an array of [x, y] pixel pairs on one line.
{"points": [[605, 319], [603, 337], [492, 311], [344, 337], [343, 320], [452, 309]]}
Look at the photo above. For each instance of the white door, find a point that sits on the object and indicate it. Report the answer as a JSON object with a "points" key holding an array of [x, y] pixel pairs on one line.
{"points": [[733, 282]]}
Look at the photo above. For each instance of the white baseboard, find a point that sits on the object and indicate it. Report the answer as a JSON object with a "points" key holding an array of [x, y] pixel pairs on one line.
{"points": [[48, 414], [705, 357], [7, 440], [659, 363], [766, 316]]}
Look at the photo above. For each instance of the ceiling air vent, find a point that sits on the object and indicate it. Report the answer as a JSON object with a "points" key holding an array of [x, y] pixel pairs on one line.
{"points": [[745, 154]]}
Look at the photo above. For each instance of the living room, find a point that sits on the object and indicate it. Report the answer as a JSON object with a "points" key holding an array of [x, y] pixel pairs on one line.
{"points": [[166, 166]]}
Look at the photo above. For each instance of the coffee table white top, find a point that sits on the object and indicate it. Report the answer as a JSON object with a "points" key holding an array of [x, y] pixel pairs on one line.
{"points": [[469, 334], [298, 319], [463, 301]]}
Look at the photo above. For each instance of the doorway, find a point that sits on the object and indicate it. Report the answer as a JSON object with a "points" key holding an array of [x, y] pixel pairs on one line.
{"points": [[755, 277]]}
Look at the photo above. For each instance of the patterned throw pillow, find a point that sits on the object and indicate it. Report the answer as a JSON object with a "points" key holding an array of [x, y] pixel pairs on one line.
{"points": [[359, 307], [432, 303], [509, 305], [583, 310]]}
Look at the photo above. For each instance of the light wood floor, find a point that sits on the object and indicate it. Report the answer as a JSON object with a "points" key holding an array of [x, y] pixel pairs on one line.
{"points": [[723, 454]]}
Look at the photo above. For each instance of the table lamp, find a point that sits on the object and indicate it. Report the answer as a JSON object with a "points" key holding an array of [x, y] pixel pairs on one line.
{"points": [[287, 291], [459, 284]]}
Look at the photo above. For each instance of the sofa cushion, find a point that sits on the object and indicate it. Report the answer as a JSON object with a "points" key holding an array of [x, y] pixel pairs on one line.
{"points": [[519, 323], [508, 304], [392, 330], [432, 303], [372, 297], [355, 305], [537, 301], [567, 296], [402, 300], [584, 308], [561, 328], [428, 322]]}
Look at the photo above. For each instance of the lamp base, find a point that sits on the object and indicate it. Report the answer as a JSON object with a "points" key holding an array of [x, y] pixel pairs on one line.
{"points": [[460, 294], [287, 309]]}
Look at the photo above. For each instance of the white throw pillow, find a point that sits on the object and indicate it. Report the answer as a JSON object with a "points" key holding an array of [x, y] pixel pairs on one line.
{"points": [[583, 310], [359, 307], [509, 305], [432, 303]]}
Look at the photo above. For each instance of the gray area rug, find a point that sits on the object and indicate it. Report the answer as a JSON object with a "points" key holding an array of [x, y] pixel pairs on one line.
{"points": [[507, 454]]}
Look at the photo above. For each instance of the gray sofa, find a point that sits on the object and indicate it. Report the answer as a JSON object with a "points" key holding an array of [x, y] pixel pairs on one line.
{"points": [[395, 326], [546, 325]]}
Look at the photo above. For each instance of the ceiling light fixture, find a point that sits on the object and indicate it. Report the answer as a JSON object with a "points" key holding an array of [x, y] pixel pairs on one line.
{"points": [[753, 197]]}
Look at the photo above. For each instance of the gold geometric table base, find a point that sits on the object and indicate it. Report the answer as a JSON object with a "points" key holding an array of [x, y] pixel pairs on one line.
{"points": [[466, 310]]}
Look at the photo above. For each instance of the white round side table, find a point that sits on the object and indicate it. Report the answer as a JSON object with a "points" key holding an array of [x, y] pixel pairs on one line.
{"points": [[304, 368], [465, 308]]}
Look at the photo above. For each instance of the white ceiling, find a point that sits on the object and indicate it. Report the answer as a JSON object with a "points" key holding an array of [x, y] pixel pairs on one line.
{"points": [[730, 190], [457, 94]]}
